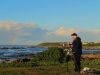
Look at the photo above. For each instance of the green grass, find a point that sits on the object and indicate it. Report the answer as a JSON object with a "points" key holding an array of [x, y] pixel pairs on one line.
{"points": [[46, 68], [45, 63]]}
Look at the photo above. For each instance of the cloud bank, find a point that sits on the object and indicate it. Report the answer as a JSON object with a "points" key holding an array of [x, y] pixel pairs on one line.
{"points": [[30, 33]]}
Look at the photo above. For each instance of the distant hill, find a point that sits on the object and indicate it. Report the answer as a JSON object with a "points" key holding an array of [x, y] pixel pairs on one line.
{"points": [[51, 44], [86, 45]]}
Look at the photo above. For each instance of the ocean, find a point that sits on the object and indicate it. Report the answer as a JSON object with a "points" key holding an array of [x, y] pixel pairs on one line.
{"points": [[8, 52]]}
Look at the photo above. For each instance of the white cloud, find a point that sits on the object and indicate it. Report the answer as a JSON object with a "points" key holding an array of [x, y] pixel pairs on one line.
{"points": [[61, 31], [8, 25], [63, 34], [30, 33], [17, 33]]}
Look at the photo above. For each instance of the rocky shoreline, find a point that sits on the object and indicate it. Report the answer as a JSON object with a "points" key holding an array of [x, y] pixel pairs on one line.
{"points": [[91, 56]]}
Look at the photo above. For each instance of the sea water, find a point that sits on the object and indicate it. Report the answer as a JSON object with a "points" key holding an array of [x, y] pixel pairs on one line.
{"points": [[19, 51]]}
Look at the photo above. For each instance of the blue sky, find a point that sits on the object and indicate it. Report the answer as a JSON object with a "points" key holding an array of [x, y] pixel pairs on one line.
{"points": [[53, 14], [70, 13]]}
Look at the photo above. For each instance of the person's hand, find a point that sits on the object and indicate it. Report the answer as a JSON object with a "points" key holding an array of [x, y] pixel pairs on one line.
{"points": [[69, 43]]}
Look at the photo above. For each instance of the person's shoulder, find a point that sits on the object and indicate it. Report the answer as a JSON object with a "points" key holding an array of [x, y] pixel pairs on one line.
{"points": [[78, 38]]}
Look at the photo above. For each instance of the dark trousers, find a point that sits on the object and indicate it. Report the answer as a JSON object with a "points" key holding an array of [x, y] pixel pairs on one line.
{"points": [[77, 63]]}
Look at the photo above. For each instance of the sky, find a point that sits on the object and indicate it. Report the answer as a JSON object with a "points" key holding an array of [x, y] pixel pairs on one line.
{"points": [[35, 21]]}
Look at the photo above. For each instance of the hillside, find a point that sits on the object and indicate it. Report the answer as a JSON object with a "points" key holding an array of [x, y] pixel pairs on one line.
{"points": [[51, 44], [88, 45]]}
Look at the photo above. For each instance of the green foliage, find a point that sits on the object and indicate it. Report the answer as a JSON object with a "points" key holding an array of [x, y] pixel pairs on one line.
{"points": [[52, 54], [50, 44], [21, 64], [16, 71], [45, 63]]}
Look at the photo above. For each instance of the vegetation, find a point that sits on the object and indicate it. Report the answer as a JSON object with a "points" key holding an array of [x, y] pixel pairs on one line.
{"points": [[51, 44], [50, 62], [86, 45], [52, 54]]}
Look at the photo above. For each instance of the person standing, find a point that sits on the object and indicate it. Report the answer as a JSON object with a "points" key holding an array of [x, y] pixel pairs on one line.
{"points": [[77, 51]]}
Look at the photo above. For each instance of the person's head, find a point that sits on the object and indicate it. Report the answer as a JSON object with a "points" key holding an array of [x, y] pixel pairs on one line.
{"points": [[74, 36]]}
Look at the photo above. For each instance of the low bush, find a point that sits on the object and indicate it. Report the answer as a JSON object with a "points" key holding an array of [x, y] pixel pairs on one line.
{"points": [[52, 54]]}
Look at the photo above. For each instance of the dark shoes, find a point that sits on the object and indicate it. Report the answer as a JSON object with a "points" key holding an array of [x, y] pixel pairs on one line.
{"points": [[77, 71]]}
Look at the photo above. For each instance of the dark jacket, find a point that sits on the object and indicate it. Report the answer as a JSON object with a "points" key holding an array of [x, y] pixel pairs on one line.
{"points": [[77, 45]]}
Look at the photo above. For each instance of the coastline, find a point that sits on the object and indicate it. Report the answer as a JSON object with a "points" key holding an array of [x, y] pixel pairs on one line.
{"points": [[91, 56]]}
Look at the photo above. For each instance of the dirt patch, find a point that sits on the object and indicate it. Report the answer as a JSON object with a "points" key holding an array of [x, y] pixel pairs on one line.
{"points": [[91, 56]]}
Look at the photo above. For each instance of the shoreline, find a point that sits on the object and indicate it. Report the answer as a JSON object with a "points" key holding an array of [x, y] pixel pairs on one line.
{"points": [[84, 57], [91, 56]]}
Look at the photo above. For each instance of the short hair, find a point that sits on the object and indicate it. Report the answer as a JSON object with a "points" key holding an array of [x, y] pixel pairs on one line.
{"points": [[74, 34]]}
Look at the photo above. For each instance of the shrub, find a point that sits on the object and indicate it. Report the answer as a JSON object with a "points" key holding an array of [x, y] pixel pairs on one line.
{"points": [[52, 54]]}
